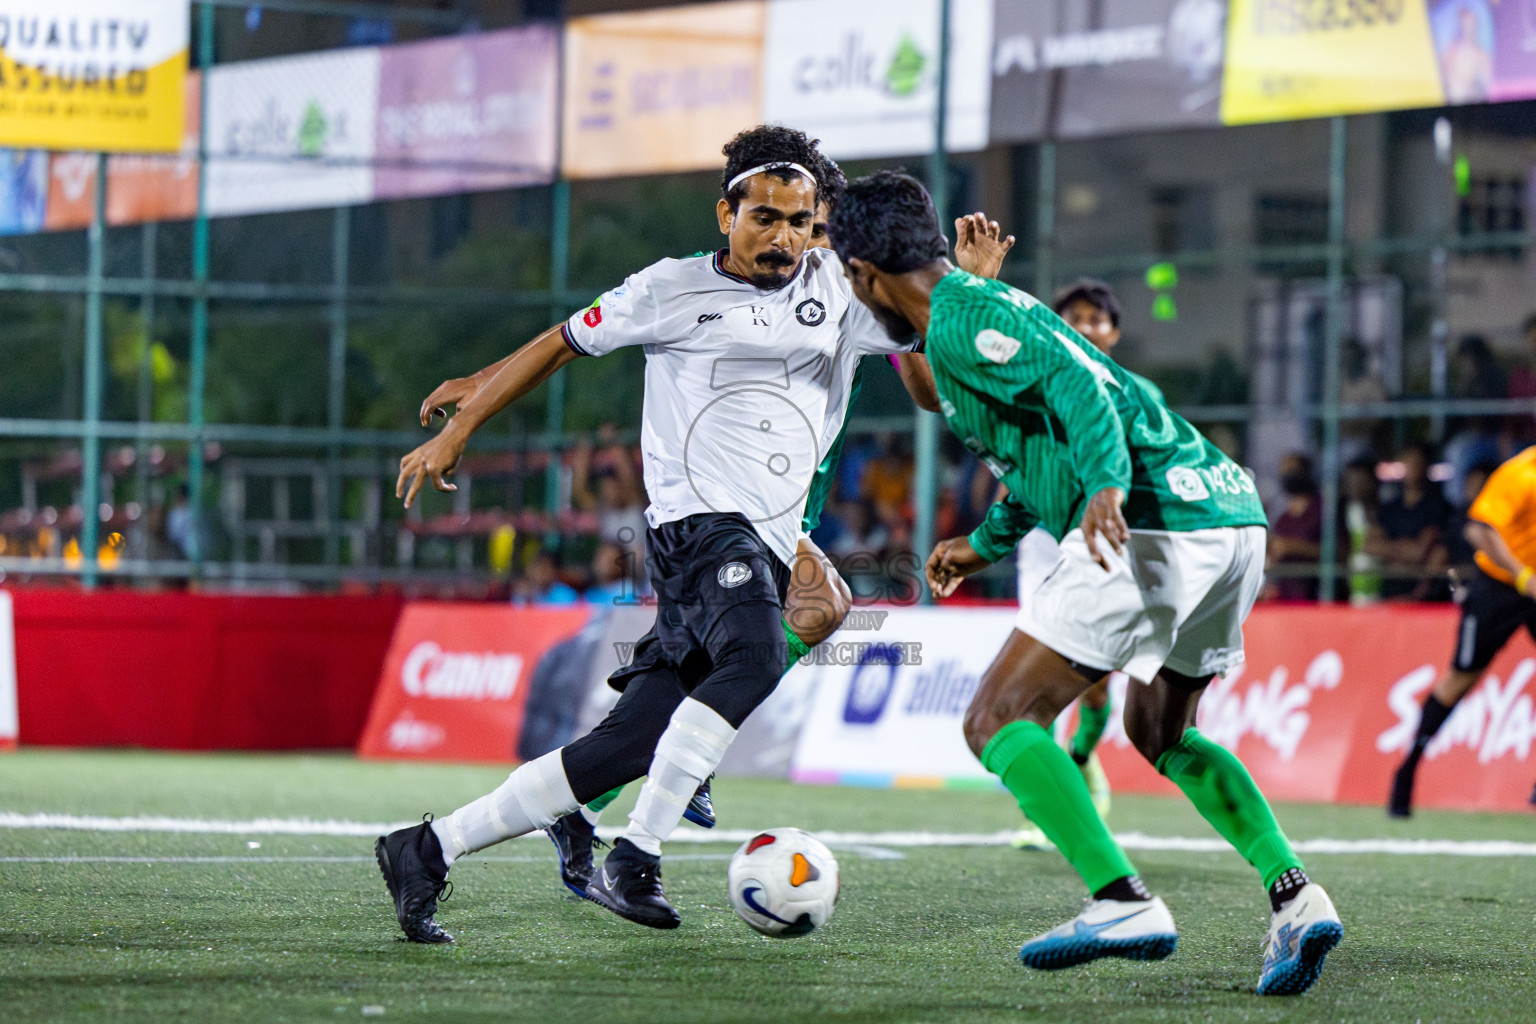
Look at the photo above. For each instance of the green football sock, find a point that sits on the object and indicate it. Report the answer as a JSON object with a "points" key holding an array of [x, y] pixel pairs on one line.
{"points": [[597, 803], [797, 648], [1051, 792], [1225, 794], [1091, 723]]}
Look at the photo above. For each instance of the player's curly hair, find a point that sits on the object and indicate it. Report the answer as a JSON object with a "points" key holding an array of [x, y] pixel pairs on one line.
{"points": [[830, 182], [888, 219], [1092, 291], [768, 144]]}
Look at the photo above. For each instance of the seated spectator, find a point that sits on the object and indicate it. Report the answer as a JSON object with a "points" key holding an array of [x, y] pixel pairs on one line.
{"points": [[541, 584], [887, 482], [1361, 500], [1295, 538], [608, 580], [1410, 537], [1475, 439], [1459, 550]]}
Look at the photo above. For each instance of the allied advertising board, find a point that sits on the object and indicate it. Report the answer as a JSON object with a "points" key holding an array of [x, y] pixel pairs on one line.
{"points": [[93, 74], [656, 91], [1323, 710], [1070, 70], [467, 113], [292, 133], [868, 86], [1293, 59]]}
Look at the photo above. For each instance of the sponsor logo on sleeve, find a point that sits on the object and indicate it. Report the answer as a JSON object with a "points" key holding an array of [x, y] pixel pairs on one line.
{"points": [[997, 347], [594, 314], [1185, 483]]}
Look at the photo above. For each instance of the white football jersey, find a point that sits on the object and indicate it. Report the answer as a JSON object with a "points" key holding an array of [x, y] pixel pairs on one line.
{"points": [[744, 388]]}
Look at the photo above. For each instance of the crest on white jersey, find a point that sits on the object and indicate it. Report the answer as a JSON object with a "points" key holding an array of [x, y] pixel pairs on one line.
{"points": [[733, 574], [997, 347]]}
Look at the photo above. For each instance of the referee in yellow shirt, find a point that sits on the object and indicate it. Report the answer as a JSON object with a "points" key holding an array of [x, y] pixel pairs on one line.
{"points": [[1500, 598]]}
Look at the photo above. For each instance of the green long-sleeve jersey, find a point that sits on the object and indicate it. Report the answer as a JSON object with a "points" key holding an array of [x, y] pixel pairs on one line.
{"points": [[1057, 422]]}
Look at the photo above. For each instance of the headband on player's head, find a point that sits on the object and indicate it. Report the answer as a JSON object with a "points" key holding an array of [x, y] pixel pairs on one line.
{"points": [[777, 165]]}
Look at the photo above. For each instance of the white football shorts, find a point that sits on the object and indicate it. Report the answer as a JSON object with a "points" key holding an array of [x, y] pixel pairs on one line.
{"points": [[1174, 599]]}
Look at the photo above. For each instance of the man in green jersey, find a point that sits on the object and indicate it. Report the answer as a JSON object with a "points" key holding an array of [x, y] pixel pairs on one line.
{"points": [[1162, 554]]}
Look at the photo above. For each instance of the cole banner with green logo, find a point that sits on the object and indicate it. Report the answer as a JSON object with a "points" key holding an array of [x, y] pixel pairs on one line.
{"points": [[292, 133], [863, 78], [1293, 59], [102, 75]]}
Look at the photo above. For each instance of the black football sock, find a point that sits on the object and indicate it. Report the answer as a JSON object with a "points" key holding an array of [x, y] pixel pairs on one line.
{"points": [[1130, 889], [1286, 887], [1430, 720]]}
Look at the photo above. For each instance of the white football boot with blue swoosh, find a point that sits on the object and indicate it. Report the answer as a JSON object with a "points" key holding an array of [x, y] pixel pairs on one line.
{"points": [[1300, 935], [1136, 930]]}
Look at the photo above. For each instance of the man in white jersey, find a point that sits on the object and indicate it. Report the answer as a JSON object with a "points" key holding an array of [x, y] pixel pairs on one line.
{"points": [[743, 350]]}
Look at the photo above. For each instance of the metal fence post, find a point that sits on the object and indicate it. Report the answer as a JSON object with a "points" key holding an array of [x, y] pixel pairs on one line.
{"points": [[90, 450], [1333, 332], [198, 371], [925, 426], [1045, 222], [335, 407], [554, 410]]}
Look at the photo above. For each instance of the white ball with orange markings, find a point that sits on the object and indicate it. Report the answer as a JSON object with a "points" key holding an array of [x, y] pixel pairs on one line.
{"points": [[784, 882]]}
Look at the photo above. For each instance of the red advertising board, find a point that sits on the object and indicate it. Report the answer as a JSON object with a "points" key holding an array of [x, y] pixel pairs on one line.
{"points": [[455, 680], [1329, 702]]}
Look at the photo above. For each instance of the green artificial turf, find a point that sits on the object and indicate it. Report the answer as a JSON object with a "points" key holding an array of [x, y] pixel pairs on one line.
{"points": [[929, 936]]}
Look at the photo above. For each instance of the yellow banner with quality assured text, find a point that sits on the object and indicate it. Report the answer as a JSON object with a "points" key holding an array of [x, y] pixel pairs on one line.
{"points": [[1294, 59], [101, 75]]}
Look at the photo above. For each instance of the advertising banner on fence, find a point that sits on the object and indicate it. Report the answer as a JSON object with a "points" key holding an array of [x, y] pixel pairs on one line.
{"points": [[662, 90], [468, 113], [1486, 50], [93, 74], [292, 133], [1120, 65], [140, 187], [457, 677], [868, 86], [1323, 711], [1292, 60]]}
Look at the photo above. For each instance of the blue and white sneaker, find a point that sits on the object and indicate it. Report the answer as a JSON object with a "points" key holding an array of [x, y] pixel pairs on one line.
{"points": [[1300, 936], [1139, 930], [701, 809]]}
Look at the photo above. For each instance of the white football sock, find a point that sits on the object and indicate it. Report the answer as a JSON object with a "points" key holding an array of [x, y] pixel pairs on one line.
{"points": [[687, 753], [532, 797]]}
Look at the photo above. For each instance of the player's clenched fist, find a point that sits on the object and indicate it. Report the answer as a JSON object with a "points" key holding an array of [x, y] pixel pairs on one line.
{"points": [[432, 461], [1102, 518], [952, 560]]}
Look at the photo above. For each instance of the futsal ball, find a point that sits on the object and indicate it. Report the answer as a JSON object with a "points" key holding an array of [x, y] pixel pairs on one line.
{"points": [[783, 882]]}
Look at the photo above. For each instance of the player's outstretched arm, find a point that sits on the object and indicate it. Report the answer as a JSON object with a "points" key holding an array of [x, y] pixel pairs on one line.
{"points": [[979, 245], [517, 375], [457, 390]]}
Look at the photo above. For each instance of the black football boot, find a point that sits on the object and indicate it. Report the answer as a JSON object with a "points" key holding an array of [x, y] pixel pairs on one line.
{"points": [[411, 861], [629, 884], [574, 840]]}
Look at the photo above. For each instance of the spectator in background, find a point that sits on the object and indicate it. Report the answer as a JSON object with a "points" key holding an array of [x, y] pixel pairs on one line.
{"points": [[1410, 537], [1522, 383], [180, 523], [605, 482], [887, 483], [1460, 552], [1296, 537], [1361, 500], [541, 583], [1475, 439], [609, 580]]}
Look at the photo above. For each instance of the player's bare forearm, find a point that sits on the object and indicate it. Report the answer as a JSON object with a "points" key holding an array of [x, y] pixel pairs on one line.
{"points": [[917, 377], [519, 374], [952, 560], [979, 245], [1487, 540]]}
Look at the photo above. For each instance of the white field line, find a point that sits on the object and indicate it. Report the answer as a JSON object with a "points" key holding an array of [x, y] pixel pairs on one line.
{"points": [[691, 834], [295, 860]]}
